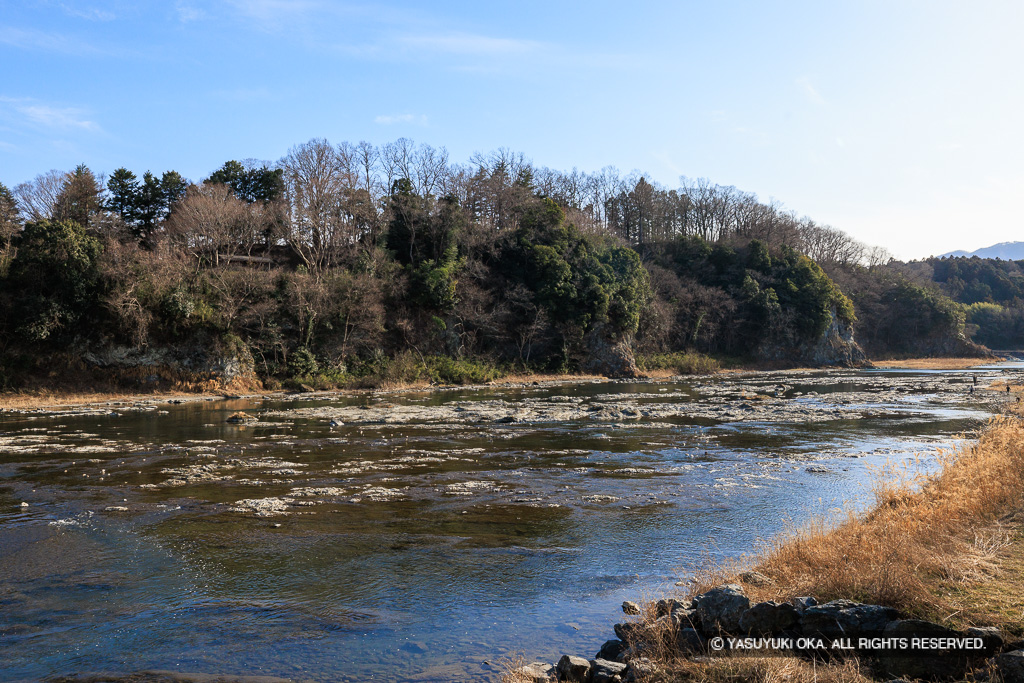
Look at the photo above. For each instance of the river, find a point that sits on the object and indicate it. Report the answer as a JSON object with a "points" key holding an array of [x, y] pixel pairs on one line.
{"points": [[422, 536]]}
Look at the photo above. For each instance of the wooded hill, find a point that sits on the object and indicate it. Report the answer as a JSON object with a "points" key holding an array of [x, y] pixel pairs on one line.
{"points": [[344, 262]]}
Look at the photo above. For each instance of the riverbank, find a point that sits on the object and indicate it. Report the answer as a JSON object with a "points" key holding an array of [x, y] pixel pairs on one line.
{"points": [[54, 398], [947, 549], [933, 363]]}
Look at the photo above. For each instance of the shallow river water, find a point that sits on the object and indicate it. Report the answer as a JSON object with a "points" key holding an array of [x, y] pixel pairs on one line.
{"points": [[421, 536]]}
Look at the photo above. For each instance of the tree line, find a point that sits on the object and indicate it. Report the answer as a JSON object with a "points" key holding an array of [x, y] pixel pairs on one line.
{"points": [[335, 196], [340, 260]]}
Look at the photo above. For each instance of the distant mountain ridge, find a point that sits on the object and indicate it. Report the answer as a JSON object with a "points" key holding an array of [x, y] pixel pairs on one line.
{"points": [[1008, 251]]}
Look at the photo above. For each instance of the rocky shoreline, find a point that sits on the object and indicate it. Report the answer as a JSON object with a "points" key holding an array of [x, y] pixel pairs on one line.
{"points": [[722, 622]]}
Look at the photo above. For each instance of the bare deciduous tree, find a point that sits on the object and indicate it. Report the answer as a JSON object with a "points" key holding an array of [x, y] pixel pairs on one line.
{"points": [[213, 225], [37, 197], [318, 182]]}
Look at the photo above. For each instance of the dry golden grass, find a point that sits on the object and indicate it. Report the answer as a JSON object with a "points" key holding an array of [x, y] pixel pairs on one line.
{"points": [[44, 399], [72, 384], [932, 363], [994, 595], [528, 377], [760, 670], [1001, 387], [923, 540], [58, 399], [948, 547], [512, 669], [659, 374]]}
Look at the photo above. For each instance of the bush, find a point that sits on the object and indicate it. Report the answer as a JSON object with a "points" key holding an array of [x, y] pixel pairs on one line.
{"points": [[683, 363], [302, 362], [56, 274], [447, 370]]}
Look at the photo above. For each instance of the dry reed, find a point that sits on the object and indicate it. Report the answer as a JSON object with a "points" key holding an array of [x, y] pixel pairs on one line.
{"points": [[923, 535]]}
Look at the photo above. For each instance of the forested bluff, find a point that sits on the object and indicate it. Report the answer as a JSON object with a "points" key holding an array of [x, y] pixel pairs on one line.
{"points": [[346, 265]]}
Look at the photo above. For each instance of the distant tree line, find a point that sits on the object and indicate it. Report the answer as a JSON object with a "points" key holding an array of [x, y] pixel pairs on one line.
{"points": [[990, 292]]}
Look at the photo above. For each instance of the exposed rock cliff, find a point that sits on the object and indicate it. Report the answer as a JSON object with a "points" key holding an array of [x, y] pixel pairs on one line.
{"points": [[201, 364], [835, 347], [605, 354]]}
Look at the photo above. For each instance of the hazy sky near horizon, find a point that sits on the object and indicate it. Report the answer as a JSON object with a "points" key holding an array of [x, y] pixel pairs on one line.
{"points": [[898, 121]]}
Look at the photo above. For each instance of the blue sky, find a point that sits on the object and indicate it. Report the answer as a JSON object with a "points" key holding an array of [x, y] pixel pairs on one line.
{"points": [[897, 121]]}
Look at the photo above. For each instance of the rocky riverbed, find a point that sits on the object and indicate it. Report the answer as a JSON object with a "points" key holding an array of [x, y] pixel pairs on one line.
{"points": [[419, 535]]}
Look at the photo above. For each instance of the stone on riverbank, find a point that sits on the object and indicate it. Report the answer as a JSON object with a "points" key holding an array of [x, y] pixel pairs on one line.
{"points": [[689, 640], [755, 579], [628, 631], [685, 618], [990, 635], [720, 609], [846, 619], [725, 609], [631, 608], [537, 672], [612, 650], [608, 355], [573, 669], [604, 671], [767, 618], [917, 628], [910, 664], [803, 603], [663, 607], [1011, 666]]}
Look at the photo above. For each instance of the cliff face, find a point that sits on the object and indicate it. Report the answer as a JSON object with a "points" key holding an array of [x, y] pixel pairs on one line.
{"points": [[836, 347], [199, 365], [605, 354], [950, 345]]}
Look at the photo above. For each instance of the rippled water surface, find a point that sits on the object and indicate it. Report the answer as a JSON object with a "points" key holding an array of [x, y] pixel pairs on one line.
{"points": [[420, 536]]}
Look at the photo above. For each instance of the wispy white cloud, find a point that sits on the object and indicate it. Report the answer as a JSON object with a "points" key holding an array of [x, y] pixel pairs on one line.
{"points": [[371, 32], [90, 13], [809, 90], [243, 94], [41, 115], [58, 117], [273, 14], [187, 12], [389, 120], [30, 39], [470, 44]]}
